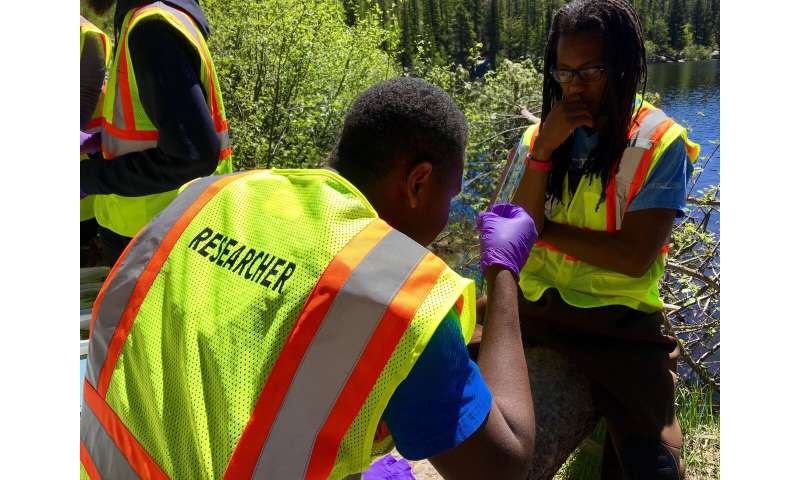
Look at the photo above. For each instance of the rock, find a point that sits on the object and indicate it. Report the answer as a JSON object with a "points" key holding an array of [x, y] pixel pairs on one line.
{"points": [[564, 414], [563, 407], [715, 54]]}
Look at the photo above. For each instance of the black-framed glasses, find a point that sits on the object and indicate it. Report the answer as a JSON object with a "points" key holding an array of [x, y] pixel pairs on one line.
{"points": [[588, 74]]}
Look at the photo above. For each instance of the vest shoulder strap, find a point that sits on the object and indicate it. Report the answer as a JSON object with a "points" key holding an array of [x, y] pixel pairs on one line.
{"points": [[646, 132], [175, 17]]}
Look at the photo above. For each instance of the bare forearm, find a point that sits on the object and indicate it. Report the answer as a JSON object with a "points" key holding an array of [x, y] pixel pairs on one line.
{"points": [[609, 250], [530, 195], [502, 359]]}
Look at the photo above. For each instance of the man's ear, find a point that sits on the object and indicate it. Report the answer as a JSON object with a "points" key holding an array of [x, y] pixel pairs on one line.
{"points": [[418, 179]]}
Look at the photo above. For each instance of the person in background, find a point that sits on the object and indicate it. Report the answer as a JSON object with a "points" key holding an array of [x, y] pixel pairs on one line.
{"points": [[163, 119], [606, 176], [291, 324], [95, 52]]}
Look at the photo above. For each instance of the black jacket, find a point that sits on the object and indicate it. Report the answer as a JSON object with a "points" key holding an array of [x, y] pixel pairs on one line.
{"points": [[167, 74]]}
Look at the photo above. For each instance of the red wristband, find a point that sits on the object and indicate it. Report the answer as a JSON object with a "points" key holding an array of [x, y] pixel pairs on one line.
{"points": [[533, 164]]}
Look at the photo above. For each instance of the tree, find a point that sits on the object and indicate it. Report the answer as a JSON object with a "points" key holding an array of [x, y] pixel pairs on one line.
{"points": [[660, 33], [493, 31], [406, 38], [675, 24], [700, 23], [463, 36]]}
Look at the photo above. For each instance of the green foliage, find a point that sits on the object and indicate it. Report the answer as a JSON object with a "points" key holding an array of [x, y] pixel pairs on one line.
{"points": [[659, 34], [698, 414], [697, 52], [677, 14], [687, 36], [650, 51], [288, 72], [517, 29], [104, 23], [492, 108]]}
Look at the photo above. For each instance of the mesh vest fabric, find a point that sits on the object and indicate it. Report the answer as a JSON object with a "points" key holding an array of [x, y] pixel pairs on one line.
{"points": [[91, 33], [206, 338], [127, 128], [579, 283]]}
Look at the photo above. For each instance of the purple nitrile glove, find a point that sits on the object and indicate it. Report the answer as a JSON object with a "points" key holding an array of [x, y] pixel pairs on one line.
{"points": [[90, 142], [83, 195], [507, 236], [389, 468]]}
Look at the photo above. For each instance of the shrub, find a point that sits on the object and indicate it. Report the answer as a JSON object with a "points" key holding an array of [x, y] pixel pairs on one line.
{"points": [[288, 71]]}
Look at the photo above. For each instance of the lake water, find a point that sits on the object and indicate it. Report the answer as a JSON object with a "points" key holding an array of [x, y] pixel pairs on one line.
{"points": [[690, 95]]}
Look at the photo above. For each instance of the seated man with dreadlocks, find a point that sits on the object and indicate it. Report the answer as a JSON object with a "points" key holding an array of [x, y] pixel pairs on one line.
{"points": [[606, 176]]}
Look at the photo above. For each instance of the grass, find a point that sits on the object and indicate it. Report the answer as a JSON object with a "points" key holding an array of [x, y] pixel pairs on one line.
{"points": [[699, 418]]}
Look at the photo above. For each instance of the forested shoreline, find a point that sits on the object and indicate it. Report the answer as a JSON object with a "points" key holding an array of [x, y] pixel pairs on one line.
{"points": [[448, 30]]}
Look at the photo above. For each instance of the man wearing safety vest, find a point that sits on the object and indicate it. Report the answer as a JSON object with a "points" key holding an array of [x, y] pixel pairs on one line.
{"points": [[606, 176], [95, 53], [288, 324], [163, 120]]}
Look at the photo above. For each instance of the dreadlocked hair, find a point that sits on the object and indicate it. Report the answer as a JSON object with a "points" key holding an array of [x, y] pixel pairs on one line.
{"points": [[626, 67]]}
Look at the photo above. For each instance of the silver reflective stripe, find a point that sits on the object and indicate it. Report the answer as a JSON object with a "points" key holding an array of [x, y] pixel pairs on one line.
{"points": [[224, 140], [631, 157], [119, 115], [333, 353], [107, 458], [119, 291], [117, 146], [181, 17], [648, 126]]}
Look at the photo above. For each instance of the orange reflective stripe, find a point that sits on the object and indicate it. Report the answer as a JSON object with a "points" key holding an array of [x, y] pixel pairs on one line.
{"points": [[460, 304], [243, 461], [149, 275], [644, 165], [88, 464], [129, 133], [224, 153], [644, 110], [382, 344], [94, 123], [125, 88], [138, 458]]}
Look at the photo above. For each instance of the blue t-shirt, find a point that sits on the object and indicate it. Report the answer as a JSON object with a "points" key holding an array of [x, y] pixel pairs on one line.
{"points": [[667, 183], [443, 400]]}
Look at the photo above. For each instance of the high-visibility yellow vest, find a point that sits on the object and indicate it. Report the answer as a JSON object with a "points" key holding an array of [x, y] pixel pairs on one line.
{"points": [[93, 34], [127, 128], [582, 284], [257, 328]]}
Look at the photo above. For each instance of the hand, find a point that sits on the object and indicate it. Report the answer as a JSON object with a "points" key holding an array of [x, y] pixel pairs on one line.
{"points": [[90, 142], [563, 119], [83, 195], [507, 235]]}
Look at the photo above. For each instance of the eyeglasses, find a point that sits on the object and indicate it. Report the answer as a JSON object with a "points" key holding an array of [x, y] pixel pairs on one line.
{"points": [[589, 74]]}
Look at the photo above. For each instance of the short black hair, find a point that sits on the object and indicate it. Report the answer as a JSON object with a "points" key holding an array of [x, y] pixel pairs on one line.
{"points": [[403, 117]]}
